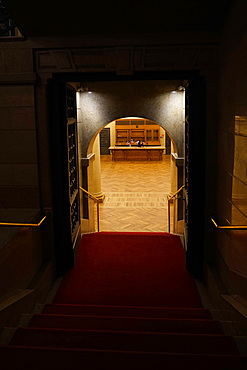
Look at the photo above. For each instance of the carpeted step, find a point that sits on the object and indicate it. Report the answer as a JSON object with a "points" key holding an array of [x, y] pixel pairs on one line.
{"points": [[113, 270], [132, 269], [29, 358], [127, 341], [127, 311], [126, 324]]}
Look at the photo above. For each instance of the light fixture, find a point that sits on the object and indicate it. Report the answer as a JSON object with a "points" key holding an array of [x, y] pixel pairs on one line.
{"points": [[83, 89]]}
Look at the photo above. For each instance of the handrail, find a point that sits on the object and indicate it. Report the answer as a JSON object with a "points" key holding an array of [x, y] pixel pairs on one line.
{"points": [[169, 198], [95, 200], [230, 227], [22, 224]]}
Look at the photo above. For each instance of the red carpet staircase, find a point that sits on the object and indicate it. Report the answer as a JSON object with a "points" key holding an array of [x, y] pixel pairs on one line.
{"points": [[95, 336]]}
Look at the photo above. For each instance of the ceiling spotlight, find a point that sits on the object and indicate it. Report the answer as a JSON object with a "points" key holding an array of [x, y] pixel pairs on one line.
{"points": [[82, 89]]}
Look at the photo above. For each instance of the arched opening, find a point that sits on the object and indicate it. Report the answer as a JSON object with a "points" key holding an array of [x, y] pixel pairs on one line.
{"points": [[133, 190]]}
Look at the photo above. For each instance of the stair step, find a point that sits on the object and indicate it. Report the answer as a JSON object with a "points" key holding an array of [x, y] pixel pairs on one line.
{"points": [[127, 341], [127, 311], [126, 324], [15, 358]]}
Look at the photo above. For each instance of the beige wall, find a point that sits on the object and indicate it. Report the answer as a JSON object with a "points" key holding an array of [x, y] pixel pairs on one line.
{"points": [[18, 147], [111, 126], [18, 142], [20, 248], [232, 146]]}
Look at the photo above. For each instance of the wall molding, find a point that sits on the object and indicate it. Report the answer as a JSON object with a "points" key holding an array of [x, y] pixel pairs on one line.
{"points": [[125, 60]]}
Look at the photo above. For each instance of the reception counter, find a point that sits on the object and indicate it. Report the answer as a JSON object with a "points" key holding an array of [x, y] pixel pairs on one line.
{"points": [[135, 153]]}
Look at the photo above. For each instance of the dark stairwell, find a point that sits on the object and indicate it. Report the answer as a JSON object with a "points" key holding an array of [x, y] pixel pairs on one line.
{"points": [[128, 303]]}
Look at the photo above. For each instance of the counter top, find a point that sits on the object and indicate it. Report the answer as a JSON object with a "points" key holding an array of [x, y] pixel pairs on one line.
{"points": [[137, 153]]}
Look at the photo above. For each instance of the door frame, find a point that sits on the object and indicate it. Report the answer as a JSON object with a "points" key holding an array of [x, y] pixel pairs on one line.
{"points": [[195, 157], [196, 191], [63, 244]]}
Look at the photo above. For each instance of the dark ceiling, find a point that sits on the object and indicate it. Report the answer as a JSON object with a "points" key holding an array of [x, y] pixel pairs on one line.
{"points": [[74, 17]]}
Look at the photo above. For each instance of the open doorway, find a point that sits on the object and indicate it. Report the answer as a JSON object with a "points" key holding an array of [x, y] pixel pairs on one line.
{"points": [[134, 182], [102, 102]]}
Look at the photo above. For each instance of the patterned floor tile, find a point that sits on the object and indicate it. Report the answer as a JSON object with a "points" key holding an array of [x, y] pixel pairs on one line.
{"points": [[135, 195]]}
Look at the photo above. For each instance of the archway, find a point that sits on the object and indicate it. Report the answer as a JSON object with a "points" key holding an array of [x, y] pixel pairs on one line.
{"points": [[138, 187]]}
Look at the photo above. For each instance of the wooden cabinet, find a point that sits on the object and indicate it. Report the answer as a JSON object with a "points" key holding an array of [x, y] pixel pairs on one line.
{"points": [[132, 130], [153, 136], [122, 136], [156, 136], [136, 134], [132, 153]]}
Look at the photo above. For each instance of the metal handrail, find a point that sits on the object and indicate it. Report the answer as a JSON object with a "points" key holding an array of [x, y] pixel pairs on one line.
{"points": [[95, 200], [169, 198], [230, 227], [22, 224]]}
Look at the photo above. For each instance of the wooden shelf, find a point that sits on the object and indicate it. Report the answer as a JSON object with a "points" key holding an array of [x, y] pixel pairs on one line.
{"points": [[143, 130]]}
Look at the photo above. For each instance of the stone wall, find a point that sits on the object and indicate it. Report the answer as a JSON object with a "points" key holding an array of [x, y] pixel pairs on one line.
{"points": [[152, 100], [232, 147], [18, 156]]}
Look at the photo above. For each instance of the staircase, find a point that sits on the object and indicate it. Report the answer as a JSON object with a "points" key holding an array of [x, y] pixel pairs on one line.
{"points": [[101, 317], [67, 336]]}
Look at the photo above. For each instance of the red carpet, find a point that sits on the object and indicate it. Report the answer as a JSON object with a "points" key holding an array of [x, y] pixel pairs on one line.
{"points": [[129, 303], [129, 269]]}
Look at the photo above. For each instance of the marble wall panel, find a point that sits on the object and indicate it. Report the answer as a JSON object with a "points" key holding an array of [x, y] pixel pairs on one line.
{"points": [[16, 96], [18, 60], [18, 174], [18, 147], [232, 151], [232, 247], [18, 141], [17, 118], [19, 197], [25, 174], [6, 174]]}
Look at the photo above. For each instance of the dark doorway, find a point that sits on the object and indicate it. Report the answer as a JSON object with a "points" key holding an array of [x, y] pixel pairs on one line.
{"points": [[105, 141], [168, 144]]}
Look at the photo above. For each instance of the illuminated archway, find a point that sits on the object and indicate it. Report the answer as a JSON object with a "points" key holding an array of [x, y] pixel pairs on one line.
{"points": [[94, 169], [90, 146]]}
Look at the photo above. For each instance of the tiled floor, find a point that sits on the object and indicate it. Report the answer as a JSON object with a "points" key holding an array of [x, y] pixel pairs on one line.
{"points": [[136, 195]]}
